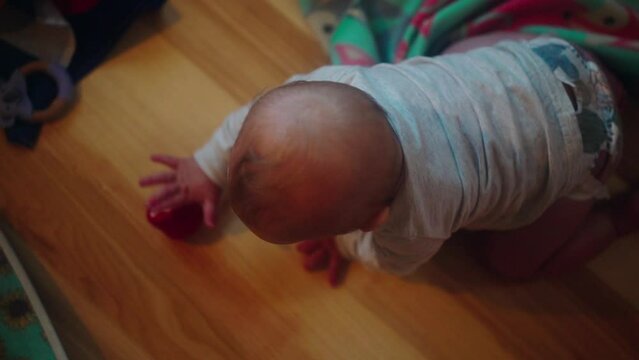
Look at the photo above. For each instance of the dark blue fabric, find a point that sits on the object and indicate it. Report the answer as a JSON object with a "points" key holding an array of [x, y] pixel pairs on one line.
{"points": [[96, 32], [22, 133]]}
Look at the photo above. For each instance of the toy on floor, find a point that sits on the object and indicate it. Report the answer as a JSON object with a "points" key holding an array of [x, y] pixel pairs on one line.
{"points": [[179, 223], [14, 98]]}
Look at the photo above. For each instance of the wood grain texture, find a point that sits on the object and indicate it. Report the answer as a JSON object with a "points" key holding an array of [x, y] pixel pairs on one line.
{"points": [[76, 204]]}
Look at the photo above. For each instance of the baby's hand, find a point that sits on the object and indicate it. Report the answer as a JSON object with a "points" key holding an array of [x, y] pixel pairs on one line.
{"points": [[185, 183], [322, 254]]}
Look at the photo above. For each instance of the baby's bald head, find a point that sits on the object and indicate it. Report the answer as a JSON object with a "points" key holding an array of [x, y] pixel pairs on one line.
{"points": [[313, 159]]}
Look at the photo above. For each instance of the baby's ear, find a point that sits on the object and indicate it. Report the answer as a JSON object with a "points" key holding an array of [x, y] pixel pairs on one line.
{"points": [[377, 220]]}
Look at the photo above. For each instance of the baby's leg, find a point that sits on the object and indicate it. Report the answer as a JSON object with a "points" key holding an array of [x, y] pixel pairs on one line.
{"points": [[568, 234], [601, 227]]}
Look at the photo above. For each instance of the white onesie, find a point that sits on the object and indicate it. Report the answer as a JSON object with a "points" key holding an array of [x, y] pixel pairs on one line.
{"points": [[490, 141]]}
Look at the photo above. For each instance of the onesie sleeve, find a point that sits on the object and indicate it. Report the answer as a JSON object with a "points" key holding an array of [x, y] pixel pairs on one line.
{"points": [[390, 254], [213, 157]]}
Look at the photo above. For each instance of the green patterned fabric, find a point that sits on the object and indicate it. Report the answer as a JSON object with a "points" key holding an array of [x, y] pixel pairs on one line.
{"points": [[22, 334], [365, 32]]}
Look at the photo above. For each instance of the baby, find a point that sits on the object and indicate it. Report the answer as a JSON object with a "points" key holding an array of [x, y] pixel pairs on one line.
{"points": [[384, 164]]}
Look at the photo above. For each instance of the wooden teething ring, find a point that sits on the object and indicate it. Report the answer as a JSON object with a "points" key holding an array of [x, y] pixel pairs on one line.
{"points": [[65, 89]]}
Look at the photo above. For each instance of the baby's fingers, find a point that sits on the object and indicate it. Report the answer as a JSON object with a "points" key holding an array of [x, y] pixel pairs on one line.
{"points": [[210, 213], [167, 160], [171, 203], [317, 260], [336, 269], [166, 193], [309, 246], [156, 179]]}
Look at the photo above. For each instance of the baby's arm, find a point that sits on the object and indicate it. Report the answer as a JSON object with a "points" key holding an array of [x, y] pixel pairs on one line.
{"points": [[213, 157], [197, 179], [202, 177], [395, 255], [400, 257], [333, 254]]}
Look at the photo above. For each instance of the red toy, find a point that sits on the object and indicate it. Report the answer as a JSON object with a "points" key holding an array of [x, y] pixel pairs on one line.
{"points": [[179, 223]]}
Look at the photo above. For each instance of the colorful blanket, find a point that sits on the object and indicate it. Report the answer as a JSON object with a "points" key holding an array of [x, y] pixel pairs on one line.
{"points": [[365, 32]]}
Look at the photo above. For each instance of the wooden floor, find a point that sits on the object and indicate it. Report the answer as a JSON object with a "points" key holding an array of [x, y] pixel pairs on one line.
{"points": [[117, 289]]}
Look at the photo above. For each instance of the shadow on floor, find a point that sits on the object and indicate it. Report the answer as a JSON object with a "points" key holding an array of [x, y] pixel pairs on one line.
{"points": [[457, 270], [228, 224]]}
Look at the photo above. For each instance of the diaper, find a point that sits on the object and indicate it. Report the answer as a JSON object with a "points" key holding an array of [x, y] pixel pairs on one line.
{"points": [[595, 113]]}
